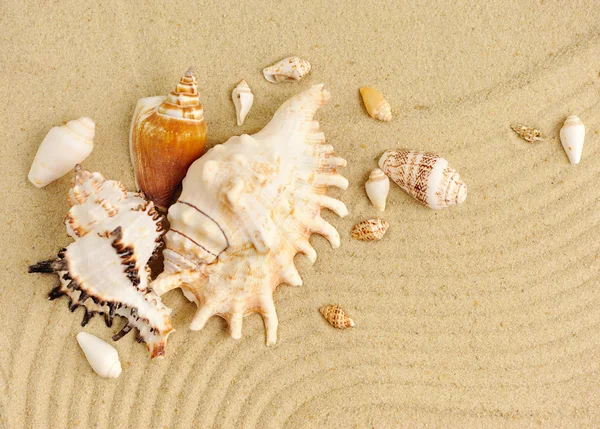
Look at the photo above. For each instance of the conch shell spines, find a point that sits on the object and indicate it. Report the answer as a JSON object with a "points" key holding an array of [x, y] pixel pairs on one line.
{"points": [[248, 206]]}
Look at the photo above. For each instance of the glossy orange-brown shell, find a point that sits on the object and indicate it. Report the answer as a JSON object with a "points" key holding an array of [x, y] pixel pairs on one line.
{"points": [[166, 139]]}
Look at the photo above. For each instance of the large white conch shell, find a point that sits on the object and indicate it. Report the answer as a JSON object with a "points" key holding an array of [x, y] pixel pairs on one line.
{"points": [[242, 100], [247, 207], [572, 135], [378, 187], [102, 357], [287, 70], [425, 176], [61, 150], [105, 270]]}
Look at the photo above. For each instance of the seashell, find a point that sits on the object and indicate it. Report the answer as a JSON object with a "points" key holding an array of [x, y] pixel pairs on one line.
{"points": [[572, 135], [242, 100], [105, 269], [529, 134], [102, 357], [370, 230], [167, 135], [61, 150], [425, 176], [248, 206], [378, 187], [376, 105], [287, 70], [336, 317]]}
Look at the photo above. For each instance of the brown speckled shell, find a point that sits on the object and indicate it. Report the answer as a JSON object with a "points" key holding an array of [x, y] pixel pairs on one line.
{"points": [[370, 230], [336, 317]]}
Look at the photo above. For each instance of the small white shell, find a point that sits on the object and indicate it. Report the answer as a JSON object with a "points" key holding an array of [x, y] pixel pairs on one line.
{"points": [[61, 150], [572, 135], [103, 358], [242, 100], [378, 187], [287, 70]]}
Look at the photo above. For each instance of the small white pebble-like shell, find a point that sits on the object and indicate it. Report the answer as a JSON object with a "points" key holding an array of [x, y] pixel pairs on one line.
{"points": [[287, 70], [243, 98], [61, 150], [378, 187], [572, 135], [102, 357]]}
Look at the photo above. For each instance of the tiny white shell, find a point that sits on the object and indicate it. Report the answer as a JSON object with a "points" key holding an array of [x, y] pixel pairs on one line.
{"points": [[378, 187], [103, 358], [572, 135], [242, 100], [287, 70], [61, 150]]}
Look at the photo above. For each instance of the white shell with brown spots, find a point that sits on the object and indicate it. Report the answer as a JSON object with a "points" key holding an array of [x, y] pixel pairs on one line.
{"points": [[425, 176]]}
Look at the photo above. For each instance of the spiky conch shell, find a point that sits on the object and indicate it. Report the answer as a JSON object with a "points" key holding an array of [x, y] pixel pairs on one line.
{"points": [[105, 269], [167, 134], [425, 176], [248, 206]]}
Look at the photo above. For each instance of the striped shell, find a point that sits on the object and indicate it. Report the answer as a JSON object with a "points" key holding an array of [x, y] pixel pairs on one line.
{"points": [[425, 176], [336, 316]]}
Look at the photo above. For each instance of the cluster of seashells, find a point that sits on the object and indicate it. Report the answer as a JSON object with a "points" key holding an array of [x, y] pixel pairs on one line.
{"points": [[246, 208]]}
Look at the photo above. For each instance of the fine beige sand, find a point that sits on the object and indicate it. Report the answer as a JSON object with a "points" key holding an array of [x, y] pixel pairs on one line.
{"points": [[483, 315]]}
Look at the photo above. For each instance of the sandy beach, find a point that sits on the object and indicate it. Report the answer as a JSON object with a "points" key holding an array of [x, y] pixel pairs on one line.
{"points": [[481, 315]]}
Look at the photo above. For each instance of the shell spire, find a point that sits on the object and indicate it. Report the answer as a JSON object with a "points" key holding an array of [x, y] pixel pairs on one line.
{"points": [[105, 270], [167, 135], [248, 206]]}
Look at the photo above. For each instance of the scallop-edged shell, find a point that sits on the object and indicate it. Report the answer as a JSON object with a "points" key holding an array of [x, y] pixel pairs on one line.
{"points": [[61, 150], [370, 230], [287, 70], [248, 206], [105, 269], [167, 134], [425, 176], [336, 317], [377, 106], [242, 100]]}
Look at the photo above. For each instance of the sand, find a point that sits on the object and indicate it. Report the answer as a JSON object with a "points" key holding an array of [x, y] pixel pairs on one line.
{"points": [[484, 315]]}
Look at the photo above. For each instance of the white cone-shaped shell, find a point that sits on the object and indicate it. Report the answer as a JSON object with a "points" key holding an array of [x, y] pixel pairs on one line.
{"points": [[378, 187], [61, 150], [572, 135], [242, 100], [425, 176], [247, 207], [287, 70], [102, 357]]}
